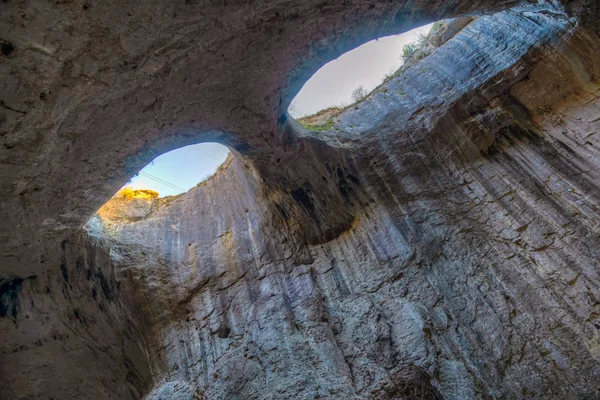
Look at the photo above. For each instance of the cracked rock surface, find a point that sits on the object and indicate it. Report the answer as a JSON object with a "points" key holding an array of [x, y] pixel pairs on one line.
{"points": [[440, 241]]}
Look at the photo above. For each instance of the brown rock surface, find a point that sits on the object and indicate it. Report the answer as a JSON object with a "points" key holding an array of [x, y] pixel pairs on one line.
{"points": [[440, 241]]}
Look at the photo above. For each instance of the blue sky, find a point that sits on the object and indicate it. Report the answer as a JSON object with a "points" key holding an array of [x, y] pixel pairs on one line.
{"points": [[180, 170], [184, 167]]}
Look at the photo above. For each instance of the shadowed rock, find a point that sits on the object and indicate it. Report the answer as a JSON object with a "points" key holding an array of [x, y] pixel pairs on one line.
{"points": [[438, 240]]}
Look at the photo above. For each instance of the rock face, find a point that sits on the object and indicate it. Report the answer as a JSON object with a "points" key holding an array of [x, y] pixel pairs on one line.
{"points": [[73, 331], [440, 241]]}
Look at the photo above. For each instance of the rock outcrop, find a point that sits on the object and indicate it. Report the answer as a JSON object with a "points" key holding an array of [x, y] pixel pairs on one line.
{"points": [[439, 241]]}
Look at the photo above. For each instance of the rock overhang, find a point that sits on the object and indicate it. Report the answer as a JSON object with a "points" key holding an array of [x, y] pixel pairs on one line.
{"points": [[436, 243], [104, 85]]}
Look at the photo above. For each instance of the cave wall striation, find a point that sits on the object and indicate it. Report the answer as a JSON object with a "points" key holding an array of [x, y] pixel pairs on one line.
{"points": [[440, 241]]}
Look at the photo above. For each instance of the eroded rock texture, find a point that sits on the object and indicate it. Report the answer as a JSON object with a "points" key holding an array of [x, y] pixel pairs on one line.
{"points": [[440, 241], [72, 331]]}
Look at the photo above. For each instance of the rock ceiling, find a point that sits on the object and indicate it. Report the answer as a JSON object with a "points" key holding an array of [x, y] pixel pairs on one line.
{"points": [[439, 240]]}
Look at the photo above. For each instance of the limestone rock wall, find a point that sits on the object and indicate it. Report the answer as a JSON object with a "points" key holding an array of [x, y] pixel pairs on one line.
{"points": [[92, 92], [73, 331], [468, 269], [441, 241]]}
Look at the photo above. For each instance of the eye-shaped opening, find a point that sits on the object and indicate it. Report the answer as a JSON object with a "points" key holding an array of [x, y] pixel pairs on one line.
{"points": [[179, 170], [176, 172], [167, 176], [348, 79]]}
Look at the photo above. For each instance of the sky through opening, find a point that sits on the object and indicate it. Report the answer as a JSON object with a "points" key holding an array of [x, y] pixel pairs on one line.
{"points": [[366, 65], [180, 170]]}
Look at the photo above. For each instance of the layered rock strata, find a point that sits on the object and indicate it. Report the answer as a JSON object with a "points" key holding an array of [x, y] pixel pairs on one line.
{"points": [[440, 241]]}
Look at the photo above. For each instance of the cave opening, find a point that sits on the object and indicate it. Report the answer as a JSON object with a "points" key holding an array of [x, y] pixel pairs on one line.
{"points": [[167, 177], [179, 170], [456, 201], [353, 75], [344, 83]]}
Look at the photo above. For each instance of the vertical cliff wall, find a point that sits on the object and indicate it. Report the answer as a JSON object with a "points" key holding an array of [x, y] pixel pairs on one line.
{"points": [[467, 265], [440, 241]]}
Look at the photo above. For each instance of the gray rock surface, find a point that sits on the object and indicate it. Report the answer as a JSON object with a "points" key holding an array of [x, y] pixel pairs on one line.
{"points": [[92, 92], [174, 390], [441, 241]]}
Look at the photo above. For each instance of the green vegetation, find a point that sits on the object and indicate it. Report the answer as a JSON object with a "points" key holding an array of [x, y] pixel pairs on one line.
{"points": [[323, 120], [418, 50], [321, 127], [409, 50]]}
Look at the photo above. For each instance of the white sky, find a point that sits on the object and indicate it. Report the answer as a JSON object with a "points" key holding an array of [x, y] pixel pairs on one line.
{"points": [[366, 65]]}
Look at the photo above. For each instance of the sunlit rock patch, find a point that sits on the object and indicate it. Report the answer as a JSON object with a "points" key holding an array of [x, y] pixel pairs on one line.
{"points": [[129, 204]]}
